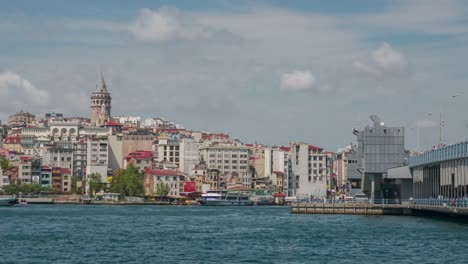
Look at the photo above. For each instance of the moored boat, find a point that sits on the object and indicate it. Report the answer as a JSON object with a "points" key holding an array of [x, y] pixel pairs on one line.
{"points": [[7, 200], [225, 198]]}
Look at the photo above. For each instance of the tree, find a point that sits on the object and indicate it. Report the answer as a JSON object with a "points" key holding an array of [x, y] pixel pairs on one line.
{"points": [[127, 182], [162, 189], [95, 184], [4, 164]]}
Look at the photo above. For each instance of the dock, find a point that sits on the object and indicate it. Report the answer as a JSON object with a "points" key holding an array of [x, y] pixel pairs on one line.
{"points": [[378, 209]]}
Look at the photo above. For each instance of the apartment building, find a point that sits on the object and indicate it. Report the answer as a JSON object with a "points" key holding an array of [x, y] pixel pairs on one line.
{"points": [[226, 158], [307, 173]]}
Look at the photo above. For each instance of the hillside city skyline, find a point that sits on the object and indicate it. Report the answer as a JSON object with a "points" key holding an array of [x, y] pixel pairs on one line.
{"points": [[224, 66]]}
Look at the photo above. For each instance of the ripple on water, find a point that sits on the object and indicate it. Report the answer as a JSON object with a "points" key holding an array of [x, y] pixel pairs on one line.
{"points": [[175, 234]]}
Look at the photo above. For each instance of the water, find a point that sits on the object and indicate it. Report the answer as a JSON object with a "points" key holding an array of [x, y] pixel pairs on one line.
{"points": [[173, 234]]}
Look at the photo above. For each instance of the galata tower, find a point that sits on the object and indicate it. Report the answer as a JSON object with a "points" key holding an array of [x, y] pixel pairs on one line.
{"points": [[100, 104]]}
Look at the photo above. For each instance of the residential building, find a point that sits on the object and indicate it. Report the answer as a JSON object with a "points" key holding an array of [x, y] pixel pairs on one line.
{"points": [[307, 174], [169, 150], [154, 176], [13, 143], [21, 118], [226, 158], [57, 179], [46, 176], [188, 155], [59, 156], [97, 157], [140, 159], [121, 145], [29, 169], [66, 180]]}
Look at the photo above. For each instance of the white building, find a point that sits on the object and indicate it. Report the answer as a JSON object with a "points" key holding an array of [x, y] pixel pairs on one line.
{"points": [[227, 159], [307, 176], [168, 149], [97, 158], [188, 155]]}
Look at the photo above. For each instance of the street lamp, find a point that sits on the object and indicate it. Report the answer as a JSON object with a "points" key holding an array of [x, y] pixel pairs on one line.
{"points": [[441, 122]]}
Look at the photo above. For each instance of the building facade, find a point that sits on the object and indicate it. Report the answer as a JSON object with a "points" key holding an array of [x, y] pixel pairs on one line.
{"points": [[226, 159], [307, 174], [379, 148]]}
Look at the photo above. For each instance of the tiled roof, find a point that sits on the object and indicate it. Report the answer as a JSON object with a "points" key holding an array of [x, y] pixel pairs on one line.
{"points": [[12, 140], [314, 148], [286, 149], [159, 172]]}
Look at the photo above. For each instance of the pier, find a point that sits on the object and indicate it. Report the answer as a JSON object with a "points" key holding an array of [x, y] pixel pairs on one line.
{"points": [[407, 209]]}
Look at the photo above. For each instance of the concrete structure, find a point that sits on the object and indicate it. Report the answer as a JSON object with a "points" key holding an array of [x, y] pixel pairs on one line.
{"points": [[226, 159], [307, 174], [441, 172], [188, 155], [100, 104], [379, 148], [397, 184]]}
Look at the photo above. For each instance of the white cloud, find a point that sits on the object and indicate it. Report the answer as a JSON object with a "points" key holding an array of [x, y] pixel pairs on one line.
{"points": [[297, 81], [388, 58], [164, 24], [384, 61], [15, 90]]}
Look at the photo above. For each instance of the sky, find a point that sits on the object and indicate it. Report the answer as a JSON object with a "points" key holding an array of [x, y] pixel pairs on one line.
{"points": [[269, 72]]}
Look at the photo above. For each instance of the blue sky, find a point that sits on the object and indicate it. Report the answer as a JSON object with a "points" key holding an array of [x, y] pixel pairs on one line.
{"points": [[265, 71]]}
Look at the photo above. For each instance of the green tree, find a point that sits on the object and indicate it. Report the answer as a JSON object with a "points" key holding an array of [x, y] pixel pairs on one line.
{"points": [[95, 184], [127, 182], [4, 164], [162, 189]]}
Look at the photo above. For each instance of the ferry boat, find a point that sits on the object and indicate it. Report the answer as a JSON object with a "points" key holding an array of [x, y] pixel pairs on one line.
{"points": [[225, 198], [7, 200]]}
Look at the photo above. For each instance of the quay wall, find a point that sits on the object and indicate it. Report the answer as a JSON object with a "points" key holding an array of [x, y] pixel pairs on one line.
{"points": [[379, 209]]}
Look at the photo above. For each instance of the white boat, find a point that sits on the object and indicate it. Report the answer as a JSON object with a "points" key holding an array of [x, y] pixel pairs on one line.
{"points": [[225, 198], [7, 200]]}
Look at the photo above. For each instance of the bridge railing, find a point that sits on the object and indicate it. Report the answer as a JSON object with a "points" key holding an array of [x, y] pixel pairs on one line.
{"points": [[443, 202]]}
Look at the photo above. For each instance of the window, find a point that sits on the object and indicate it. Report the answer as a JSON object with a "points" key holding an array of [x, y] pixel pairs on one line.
{"points": [[315, 157], [69, 159], [234, 155], [55, 159]]}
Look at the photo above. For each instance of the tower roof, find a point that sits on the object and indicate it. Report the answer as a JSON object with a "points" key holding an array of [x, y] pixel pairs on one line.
{"points": [[101, 86]]}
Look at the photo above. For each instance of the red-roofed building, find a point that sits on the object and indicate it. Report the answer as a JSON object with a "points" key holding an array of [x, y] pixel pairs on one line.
{"points": [[141, 159], [170, 177], [13, 143], [285, 149]]}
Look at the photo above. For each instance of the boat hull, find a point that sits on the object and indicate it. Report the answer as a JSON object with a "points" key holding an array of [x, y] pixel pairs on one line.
{"points": [[226, 202], [7, 201]]}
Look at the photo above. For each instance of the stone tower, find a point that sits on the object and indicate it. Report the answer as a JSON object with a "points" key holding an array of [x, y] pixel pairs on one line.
{"points": [[100, 104]]}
